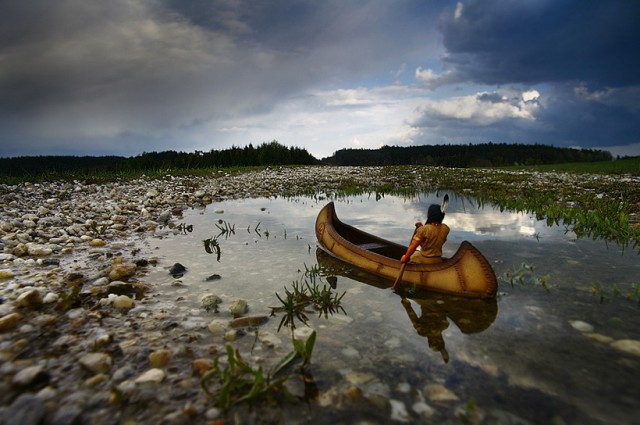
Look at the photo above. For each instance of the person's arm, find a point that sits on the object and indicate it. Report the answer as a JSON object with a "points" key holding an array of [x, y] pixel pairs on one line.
{"points": [[415, 243]]}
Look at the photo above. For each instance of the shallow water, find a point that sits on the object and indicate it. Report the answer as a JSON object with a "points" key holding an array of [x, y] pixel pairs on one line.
{"points": [[525, 356]]}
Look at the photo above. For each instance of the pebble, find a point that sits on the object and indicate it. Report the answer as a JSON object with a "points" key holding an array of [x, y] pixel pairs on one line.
{"points": [[160, 358], [581, 326], [248, 321], [210, 302], [30, 376], [31, 298], [6, 273], [629, 346], [238, 308], [26, 409], [123, 302], [9, 321], [438, 392], [96, 362], [201, 366], [122, 271], [154, 375]]}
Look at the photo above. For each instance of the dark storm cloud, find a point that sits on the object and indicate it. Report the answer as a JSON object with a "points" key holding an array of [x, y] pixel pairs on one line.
{"points": [[582, 56], [547, 41], [82, 72], [126, 76]]}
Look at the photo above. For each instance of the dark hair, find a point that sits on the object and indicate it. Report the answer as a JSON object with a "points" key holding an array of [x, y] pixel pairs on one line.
{"points": [[435, 214]]}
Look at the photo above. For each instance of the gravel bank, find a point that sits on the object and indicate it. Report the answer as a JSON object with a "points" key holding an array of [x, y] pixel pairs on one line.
{"points": [[78, 331]]}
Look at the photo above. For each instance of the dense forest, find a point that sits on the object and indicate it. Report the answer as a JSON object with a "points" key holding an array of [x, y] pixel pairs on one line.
{"points": [[480, 155], [274, 153], [271, 153]]}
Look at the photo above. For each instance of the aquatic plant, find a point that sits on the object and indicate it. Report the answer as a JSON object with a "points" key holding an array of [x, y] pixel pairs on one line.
{"points": [[225, 228], [292, 307], [185, 228], [525, 275], [310, 292], [602, 291], [238, 381], [212, 246]]}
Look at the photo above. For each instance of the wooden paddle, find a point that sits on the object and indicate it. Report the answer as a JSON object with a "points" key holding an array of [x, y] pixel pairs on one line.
{"points": [[445, 204]]}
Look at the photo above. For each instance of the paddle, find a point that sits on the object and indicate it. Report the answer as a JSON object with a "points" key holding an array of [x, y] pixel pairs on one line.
{"points": [[445, 204]]}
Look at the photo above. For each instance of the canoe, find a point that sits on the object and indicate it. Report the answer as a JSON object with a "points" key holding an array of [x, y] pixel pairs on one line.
{"points": [[467, 273]]}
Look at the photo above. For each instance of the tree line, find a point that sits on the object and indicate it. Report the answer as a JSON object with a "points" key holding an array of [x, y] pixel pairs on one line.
{"points": [[463, 156], [268, 153], [274, 153]]}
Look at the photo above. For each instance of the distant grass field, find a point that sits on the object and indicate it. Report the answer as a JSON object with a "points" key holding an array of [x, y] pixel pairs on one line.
{"points": [[620, 166]]}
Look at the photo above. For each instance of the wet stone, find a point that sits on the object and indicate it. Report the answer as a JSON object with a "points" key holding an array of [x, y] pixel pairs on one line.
{"points": [[122, 271], [238, 308], [177, 270], [249, 321]]}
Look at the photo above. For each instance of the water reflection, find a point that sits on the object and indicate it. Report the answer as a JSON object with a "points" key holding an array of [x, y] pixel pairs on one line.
{"points": [[435, 310], [529, 360]]}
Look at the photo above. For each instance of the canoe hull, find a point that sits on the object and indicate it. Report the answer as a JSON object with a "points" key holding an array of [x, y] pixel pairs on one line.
{"points": [[466, 273]]}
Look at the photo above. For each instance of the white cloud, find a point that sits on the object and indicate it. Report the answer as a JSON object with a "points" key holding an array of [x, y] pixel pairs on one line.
{"points": [[458, 13], [484, 108]]}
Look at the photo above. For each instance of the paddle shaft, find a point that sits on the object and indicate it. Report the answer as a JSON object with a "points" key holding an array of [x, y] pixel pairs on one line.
{"points": [[445, 204]]}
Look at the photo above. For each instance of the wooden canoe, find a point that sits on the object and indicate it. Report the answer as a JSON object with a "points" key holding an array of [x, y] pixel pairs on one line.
{"points": [[466, 273]]}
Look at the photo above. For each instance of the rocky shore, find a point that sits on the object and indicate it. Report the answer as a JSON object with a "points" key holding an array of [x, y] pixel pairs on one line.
{"points": [[80, 340]]}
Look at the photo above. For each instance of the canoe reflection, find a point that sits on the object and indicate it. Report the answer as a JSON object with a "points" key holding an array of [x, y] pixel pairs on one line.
{"points": [[470, 315]]}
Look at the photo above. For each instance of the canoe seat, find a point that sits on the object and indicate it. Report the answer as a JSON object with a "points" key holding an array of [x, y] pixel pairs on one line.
{"points": [[372, 245]]}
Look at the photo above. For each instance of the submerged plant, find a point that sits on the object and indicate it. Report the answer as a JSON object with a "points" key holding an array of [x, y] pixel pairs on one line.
{"points": [[525, 275], [603, 292]]}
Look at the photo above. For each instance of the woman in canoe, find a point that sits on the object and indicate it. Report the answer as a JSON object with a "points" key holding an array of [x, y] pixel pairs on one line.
{"points": [[429, 237]]}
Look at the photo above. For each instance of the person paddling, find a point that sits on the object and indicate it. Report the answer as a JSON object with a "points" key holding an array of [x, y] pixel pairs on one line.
{"points": [[429, 237]]}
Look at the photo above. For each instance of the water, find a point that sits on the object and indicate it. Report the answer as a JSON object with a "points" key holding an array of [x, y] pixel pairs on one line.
{"points": [[544, 351]]}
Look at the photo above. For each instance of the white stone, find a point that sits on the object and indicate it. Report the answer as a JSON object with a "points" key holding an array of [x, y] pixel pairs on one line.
{"points": [[217, 327], [581, 326], [630, 346], [96, 362], [399, 411], [38, 250], [50, 298], [123, 302], [152, 375]]}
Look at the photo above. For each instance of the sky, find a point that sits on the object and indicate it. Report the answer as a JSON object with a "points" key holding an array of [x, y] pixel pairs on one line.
{"points": [[123, 77]]}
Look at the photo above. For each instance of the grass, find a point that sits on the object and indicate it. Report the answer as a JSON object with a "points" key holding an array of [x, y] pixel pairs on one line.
{"points": [[620, 166]]}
